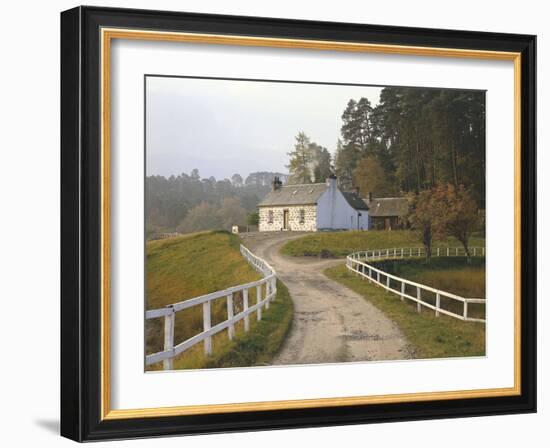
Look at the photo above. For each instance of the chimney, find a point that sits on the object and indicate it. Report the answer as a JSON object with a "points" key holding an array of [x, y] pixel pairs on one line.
{"points": [[357, 191], [276, 184], [331, 182], [370, 196]]}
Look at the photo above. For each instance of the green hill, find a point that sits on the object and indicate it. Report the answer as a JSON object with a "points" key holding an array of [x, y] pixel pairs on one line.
{"points": [[192, 265]]}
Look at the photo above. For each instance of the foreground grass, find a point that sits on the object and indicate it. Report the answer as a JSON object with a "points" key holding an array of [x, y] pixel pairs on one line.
{"points": [[189, 266], [192, 265], [431, 337], [254, 348], [340, 244]]}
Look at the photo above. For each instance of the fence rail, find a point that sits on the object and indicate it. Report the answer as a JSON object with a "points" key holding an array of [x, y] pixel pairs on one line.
{"points": [[266, 290], [357, 262]]}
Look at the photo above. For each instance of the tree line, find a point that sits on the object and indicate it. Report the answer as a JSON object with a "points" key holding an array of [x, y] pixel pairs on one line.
{"points": [[414, 139], [188, 202]]}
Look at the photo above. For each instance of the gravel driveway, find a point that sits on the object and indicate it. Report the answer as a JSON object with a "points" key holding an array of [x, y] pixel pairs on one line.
{"points": [[331, 323]]}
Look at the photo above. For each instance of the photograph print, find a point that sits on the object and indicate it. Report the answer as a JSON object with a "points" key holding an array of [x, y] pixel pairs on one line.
{"points": [[292, 223]]}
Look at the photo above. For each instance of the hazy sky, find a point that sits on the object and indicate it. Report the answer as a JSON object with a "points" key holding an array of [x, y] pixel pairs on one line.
{"points": [[226, 127]]}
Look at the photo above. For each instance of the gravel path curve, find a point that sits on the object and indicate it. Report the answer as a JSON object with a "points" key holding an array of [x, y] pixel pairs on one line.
{"points": [[331, 322]]}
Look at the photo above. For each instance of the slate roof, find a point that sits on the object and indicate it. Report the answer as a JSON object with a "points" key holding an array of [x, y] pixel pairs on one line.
{"points": [[355, 201], [383, 207], [294, 195]]}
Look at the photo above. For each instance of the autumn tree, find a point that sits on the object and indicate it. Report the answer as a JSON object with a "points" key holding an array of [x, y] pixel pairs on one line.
{"points": [[300, 161], [426, 216], [461, 216], [370, 176]]}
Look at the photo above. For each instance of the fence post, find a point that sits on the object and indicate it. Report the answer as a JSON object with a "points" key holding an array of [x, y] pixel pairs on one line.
{"points": [[245, 308], [402, 291], [231, 328], [274, 288], [370, 275], [419, 297], [401, 252], [475, 251], [438, 251], [447, 251], [169, 324], [267, 291], [207, 323], [456, 251], [483, 251], [437, 304], [465, 315], [388, 281], [258, 300], [378, 276]]}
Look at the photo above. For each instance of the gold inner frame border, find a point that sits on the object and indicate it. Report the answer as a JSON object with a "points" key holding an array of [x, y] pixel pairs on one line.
{"points": [[107, 35]]}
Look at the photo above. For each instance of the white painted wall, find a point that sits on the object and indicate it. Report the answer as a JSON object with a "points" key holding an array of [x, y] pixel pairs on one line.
{"points": [[335, 213]]}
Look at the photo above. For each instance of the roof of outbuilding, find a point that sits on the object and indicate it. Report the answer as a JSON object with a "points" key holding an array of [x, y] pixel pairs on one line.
{"points": [[380, 207], [294, 195], [355, 201]]}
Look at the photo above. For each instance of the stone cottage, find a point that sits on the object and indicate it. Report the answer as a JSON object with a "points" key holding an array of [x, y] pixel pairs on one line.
{"points": [[312, 207]]}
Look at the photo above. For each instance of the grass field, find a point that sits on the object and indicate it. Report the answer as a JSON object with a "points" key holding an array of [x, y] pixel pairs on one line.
{"points": [[452, 274], [188, 266], [340, 244], [432, 337]]}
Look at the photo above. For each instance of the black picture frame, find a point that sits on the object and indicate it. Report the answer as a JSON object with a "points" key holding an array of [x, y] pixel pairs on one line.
{"points": [[81, 224]]}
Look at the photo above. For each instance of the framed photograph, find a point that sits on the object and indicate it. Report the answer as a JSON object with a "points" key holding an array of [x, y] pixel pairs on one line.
{"points": [[273, 223]]}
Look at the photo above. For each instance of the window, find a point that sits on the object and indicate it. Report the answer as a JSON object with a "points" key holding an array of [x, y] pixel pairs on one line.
{"points": [[302, 216], [270, 217]]}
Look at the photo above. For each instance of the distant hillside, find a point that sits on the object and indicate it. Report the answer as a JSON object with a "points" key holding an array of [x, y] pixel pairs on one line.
{"points": [[169, 200]]}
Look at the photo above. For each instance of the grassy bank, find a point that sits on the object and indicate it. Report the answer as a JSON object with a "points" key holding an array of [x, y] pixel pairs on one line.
{"points": [[452, 274], [340, 244], [192, 265], [431, 337], [257, 347]]}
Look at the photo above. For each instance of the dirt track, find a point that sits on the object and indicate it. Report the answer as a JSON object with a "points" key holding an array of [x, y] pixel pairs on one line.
{"points": [[331, 323]]}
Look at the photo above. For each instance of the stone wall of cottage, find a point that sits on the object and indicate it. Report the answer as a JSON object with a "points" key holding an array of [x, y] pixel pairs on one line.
{"points": [[294, 222]]}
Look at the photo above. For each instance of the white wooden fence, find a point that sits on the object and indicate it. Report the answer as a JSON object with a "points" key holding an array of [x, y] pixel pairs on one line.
{"points": [[358, 262], [266, 290]]}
